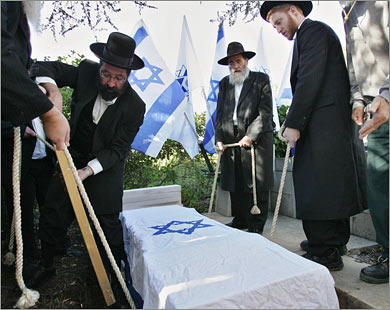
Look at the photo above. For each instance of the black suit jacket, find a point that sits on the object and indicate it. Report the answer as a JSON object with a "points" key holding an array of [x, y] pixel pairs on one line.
{"points": [[113, 134], [254, 119], [329, 164], [21, 99]]}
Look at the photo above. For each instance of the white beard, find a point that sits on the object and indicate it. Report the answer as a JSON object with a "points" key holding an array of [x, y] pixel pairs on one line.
{"points": [[33, 12], [239, 77]]}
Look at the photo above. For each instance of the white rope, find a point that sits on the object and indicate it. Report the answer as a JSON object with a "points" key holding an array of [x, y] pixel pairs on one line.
{"points": [[255, 209], [29, 297], [282, 181], [215, 182], [95, 221], [98, 228], [278, 201], [9, 258]]}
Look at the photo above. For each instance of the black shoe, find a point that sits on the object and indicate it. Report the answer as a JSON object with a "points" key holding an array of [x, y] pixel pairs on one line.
{"points": [[305, 246], [39, 275], [333, 261], [234, 224], [376, 274], [255, 230]]}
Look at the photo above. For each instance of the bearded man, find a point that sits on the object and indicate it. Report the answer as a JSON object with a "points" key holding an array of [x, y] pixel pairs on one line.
{"points": [[244, 116], [106, 114]]}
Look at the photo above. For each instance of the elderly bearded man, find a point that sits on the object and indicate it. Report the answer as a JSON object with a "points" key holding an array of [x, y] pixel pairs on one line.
{"points": [[244, 115], [329, 163], [106, 114]]}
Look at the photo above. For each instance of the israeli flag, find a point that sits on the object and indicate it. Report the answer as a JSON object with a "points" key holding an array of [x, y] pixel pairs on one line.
{"points": [[163, 96], [217, 74], [285, 93], [187, 75], [259, 63]]}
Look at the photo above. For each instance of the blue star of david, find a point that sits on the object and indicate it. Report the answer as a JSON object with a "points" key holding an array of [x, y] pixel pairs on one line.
{"points": [[182, 78], [153, 78], [213, 92], [166, 229]]}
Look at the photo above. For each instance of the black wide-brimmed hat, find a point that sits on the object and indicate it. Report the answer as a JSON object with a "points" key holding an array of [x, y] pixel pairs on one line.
{"points": [[306, 7], [118, 52], [235, 48]]}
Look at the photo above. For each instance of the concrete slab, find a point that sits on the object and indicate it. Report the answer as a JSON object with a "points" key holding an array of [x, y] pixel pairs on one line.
{"points": [[353, 293]]}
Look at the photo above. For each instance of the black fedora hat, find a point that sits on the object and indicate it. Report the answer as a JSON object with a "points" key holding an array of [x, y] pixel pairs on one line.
{"points": [[235, 48], [118, 52], [306, 7]]}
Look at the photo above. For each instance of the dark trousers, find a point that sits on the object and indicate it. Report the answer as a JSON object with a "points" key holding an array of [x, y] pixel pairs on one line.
{"points": [[325, 236], [242, 200], [378, 183], [59, 215], [33, 186]]}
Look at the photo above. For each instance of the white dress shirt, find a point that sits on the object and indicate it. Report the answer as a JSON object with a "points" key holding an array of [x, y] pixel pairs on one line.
{"points": [[99, 108]]}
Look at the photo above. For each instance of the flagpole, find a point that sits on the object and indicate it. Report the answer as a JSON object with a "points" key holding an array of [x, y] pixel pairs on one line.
{"points": [[201, 146]]}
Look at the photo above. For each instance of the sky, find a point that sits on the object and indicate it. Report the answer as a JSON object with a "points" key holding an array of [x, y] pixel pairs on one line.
{"points": [[165, 23]]}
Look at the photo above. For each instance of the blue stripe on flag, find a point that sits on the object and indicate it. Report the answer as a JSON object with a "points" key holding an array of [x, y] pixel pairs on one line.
{"points": [[140, 35], [209, 134], [157, 115], [220, 34]]}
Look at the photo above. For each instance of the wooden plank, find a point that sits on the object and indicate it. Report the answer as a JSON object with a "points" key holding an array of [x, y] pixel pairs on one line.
{"points": [[151, 196], [85, 228]]}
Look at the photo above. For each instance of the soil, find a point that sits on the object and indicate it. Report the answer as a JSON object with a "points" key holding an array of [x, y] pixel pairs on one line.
{"points": [[75, 285]]}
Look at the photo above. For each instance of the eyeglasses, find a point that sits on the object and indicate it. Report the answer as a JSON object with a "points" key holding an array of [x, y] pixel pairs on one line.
{"points": [[117, 78]]}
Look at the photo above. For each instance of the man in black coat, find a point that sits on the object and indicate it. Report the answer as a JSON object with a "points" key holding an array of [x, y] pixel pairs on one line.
{"points": [[106, 114], [244, 116], [329, 163], [21, 99]]}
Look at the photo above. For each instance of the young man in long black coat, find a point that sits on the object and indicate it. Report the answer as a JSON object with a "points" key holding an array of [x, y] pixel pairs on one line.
{"points": [[329, 163]]}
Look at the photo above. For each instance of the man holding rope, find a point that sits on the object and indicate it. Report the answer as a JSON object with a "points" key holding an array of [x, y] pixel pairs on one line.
{"points": [[21, 99], [244, 116], [106, 114], [329, 162]]}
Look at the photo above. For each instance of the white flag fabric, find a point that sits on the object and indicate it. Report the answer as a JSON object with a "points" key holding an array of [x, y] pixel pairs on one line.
{"points": [[180, 259], [259, 63], [285, 93], [165, 101], [217, 74], [187, 75]]}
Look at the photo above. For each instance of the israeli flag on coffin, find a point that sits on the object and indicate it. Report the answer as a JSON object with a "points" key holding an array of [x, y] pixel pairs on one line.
{"points": [[163, 97], [285, 93], [217, 74]]}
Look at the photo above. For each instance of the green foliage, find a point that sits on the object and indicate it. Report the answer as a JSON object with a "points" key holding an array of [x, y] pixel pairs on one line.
{"points": [[172, 166], [280, 146], [71, 59]]}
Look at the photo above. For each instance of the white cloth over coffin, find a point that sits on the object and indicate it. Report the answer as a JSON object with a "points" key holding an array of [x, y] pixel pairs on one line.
{"points": [[216, 266]]}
